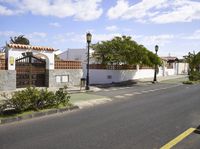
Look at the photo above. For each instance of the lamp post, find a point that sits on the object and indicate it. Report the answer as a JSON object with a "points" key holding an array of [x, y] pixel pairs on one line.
{"points": [[88, 38], [155, 72]]}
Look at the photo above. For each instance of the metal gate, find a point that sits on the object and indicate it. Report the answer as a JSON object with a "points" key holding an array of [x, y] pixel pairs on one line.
{"points": [[30, 71]]}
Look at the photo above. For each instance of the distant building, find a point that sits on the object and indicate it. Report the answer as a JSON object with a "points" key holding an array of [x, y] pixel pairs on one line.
{"points": [[78, 55], [74, 54], [174, 66]]}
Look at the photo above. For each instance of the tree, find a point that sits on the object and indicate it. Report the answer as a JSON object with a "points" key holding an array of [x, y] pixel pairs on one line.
{"points": [[123, 50], [19, 40], [56, 57], [193, 60]]}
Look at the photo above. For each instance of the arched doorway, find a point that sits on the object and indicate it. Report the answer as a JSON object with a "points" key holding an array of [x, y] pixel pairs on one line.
{"points": [[30, 71]]}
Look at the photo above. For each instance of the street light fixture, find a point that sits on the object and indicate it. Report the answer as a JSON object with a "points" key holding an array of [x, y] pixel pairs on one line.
{"points": [[155, 70], [88, 38]]}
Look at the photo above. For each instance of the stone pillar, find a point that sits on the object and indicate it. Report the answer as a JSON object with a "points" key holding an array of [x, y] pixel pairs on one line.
{"points": [[7, 80]]}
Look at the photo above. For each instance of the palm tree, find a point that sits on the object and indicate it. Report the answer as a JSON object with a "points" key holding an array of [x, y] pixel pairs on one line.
{"points": [[19, 40]]}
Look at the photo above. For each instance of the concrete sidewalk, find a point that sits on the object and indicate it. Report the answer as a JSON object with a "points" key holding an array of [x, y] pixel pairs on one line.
{"points": [[163, 78], [84, 99]]}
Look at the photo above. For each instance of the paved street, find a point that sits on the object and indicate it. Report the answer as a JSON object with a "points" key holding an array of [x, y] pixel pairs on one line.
{"points": [[139, 116]]}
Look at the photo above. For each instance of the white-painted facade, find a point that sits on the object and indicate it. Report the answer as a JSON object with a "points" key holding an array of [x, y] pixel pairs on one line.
{"points": [[101, 76], [12, 54]]}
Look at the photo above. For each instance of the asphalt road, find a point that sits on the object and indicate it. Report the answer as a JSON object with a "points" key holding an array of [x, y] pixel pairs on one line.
{"points": [[148, 118]]}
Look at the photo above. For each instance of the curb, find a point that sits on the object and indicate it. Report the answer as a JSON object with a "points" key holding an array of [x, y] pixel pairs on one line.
{"points": [[36, 114]]}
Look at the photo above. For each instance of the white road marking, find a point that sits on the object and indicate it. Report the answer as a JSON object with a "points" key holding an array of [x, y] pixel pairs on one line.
{"points": [[119, 96], [128, 94], [137, 93], [106, 90], [88, 103], [114, 89]]}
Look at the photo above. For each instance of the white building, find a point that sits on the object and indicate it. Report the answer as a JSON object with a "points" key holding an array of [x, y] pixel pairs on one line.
{"points": [[78, 55]]}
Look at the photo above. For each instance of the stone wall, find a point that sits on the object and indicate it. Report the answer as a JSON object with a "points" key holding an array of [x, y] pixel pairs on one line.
{"points": [[7, 80], [62, 77]]}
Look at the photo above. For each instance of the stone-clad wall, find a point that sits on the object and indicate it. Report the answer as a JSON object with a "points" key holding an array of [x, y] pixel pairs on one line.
{"points": [[7, 80], [62, 77]]}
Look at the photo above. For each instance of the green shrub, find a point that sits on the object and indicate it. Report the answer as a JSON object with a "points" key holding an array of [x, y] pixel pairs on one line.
{"points": [[34, 99], [188, 82], [47, 99], [26, 99], [194, 76], [61, 97]]}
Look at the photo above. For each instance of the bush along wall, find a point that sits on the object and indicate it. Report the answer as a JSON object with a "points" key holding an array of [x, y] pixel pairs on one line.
{"points": [[34, 99], [194, 76]]}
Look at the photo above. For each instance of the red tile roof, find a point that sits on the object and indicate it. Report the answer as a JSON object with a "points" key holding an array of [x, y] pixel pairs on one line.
{"points": [[21, 46]]}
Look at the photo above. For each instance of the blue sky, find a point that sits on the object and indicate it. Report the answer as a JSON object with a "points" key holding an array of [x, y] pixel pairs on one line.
{"points": [[174, 25]]}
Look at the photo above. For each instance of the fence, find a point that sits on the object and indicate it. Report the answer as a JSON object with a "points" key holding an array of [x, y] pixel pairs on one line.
{"points": [[112, 67], [2, 64], [67, 64], [145, 67]]}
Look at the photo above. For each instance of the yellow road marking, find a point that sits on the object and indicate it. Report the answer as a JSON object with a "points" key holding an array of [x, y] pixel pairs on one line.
{"points": [[178, 138]]}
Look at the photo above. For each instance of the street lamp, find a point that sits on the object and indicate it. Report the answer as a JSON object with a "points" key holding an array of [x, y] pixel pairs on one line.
{"points": [[155, 70], [88, 38]]}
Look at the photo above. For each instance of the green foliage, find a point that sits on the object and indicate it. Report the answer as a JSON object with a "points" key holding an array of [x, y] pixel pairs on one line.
{"points": [[61, 97], [194, 61], [25, 99], [194, 76], [194, 66], [56, 57], [34, 99], [124, 50], [188, 82], [19, 40], [46, 99]]}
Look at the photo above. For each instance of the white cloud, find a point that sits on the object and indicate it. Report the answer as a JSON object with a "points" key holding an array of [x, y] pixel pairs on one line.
{"points": [[5, 11], [37, 38], [8, 34], [162, 11], [112, 28], [103, 37], [184, 11], [69, 37], [155, 39], [79, 9], [81, 38], [87, 9], [117, 11], [138, 11], [54, 24], [37, 35]]}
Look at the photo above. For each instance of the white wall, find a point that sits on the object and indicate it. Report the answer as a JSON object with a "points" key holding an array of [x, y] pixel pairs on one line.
{"points": [[17, 53], [169, 72], [183, 68], [101, 76]]}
